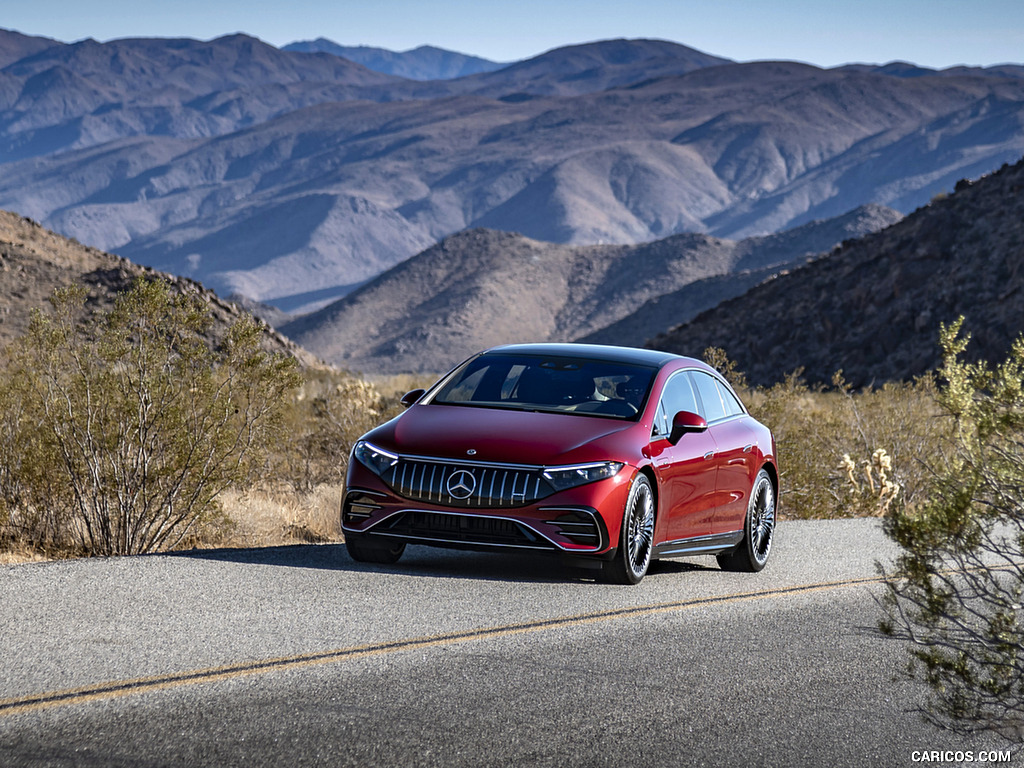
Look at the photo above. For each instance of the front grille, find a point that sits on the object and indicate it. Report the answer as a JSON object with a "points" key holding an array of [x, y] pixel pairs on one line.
{"points": [[463, 529], [472, 486]]}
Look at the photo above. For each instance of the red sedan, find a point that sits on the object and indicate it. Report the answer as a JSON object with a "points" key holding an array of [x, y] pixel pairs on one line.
{"points": [[608, 455]]}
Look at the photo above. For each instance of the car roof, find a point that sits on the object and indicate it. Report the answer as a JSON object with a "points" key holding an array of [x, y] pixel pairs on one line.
{"points": [[634, 355]]}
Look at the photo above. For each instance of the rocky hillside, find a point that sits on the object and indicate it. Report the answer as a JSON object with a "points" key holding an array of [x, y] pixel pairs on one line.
{"points": [[758, 258], [34, 262], [873, 306], [481, 287]]}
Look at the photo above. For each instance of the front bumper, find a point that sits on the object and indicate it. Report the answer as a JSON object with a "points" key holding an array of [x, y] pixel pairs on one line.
{"points": [[583, 521]]}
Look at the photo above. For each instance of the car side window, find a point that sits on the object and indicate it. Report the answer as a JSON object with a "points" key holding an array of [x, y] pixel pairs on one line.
{"points": [[678, 396], [732, 405], [660, 420], [711, 398]]}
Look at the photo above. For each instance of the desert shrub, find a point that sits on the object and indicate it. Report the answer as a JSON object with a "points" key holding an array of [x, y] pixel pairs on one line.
{"points": [[324, 418], [956, 591], [123, 429], [26, 484], [843, 453]]}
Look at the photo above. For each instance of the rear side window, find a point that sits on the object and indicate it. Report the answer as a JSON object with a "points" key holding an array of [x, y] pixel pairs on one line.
{"points": [[732, 405], [710, 396]]}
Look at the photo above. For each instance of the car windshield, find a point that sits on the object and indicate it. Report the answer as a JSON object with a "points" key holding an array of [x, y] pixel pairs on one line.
{"points": [[572, 385]]}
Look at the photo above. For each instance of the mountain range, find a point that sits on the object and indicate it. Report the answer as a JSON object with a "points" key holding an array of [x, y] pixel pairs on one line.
{"points": [[292, 178], [872, 307], [479, 288]]}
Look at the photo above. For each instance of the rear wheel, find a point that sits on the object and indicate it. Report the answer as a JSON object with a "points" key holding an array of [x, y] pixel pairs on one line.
{"points": [[758, 529], [373, 549], [636, 541]]}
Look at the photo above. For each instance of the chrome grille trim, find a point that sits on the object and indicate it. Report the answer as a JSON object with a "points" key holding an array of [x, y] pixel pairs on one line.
{"points": [[494, 485]]}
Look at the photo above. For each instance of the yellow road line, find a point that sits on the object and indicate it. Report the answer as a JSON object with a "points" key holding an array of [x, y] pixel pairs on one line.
{"points": [[117, 688]]}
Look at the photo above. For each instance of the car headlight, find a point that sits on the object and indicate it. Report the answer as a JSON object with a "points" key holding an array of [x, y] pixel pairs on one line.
{"points": [[377, 460], [562, 478]]}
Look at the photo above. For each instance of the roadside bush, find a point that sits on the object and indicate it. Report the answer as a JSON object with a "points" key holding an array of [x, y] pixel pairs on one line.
{"points": [[120, 432], [844, 453], [956, 591], [324, 418]]}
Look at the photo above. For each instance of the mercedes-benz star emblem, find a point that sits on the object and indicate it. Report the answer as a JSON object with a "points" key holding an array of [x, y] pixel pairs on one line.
{"points": [[461, 484]]}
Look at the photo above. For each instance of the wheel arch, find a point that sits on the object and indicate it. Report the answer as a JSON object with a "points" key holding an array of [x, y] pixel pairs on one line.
{"points": [[773, 475], [652, 478]]}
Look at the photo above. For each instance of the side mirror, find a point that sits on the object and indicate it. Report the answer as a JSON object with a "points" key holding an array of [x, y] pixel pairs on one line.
{"points": [[684, 422], [411, 397]]}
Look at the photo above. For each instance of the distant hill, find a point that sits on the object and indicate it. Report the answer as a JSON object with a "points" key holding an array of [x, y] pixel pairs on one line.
{"points": [[573, 70], [479, 288], [906, 69], [34, 262], [423, 63], [873, 306]]}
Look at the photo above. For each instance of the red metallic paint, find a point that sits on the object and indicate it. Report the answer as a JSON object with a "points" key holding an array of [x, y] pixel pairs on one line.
{"points": [[509, 437], [686, 482]]}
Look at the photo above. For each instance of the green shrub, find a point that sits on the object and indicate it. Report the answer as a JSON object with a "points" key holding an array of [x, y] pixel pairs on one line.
{"points": [[956, 591], [120, 432]]}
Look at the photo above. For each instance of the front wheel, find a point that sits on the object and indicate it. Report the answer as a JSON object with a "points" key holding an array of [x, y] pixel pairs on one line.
{"points": [[758, 530], [636, 541], [373, 549]]}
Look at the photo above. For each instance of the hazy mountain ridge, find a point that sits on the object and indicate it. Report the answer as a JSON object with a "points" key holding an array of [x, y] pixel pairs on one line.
{"points": [[574, 70], [479, 288], [15, 46], [59, 96], [426, 62], [873, 307], [34, 262], [77, 95]]}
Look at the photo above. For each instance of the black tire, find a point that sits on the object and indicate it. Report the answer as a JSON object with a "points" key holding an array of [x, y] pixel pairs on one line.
{"points": [[636, 541], [373, 549], [758, 530]]}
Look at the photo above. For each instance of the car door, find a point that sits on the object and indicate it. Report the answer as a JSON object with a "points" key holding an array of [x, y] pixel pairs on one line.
{"points": [[734, 457], [686, 471]]}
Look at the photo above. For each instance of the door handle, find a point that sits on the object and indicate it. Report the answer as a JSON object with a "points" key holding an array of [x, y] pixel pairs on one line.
{"points": [[747, 448], [709, 455]]}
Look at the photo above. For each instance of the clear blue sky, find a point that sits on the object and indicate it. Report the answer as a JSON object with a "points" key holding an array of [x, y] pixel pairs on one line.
{"points": [[937, 33]]}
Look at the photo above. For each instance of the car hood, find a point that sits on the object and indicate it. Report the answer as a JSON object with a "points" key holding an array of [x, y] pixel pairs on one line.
{"points": [[504, 436]]}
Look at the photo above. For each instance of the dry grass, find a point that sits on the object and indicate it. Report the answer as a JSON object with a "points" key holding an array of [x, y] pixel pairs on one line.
{"points": [[266, 518], [20, 553]]}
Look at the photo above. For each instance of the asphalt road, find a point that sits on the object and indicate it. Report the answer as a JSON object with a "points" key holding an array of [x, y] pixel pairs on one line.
{"points": [[297, 656]]}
